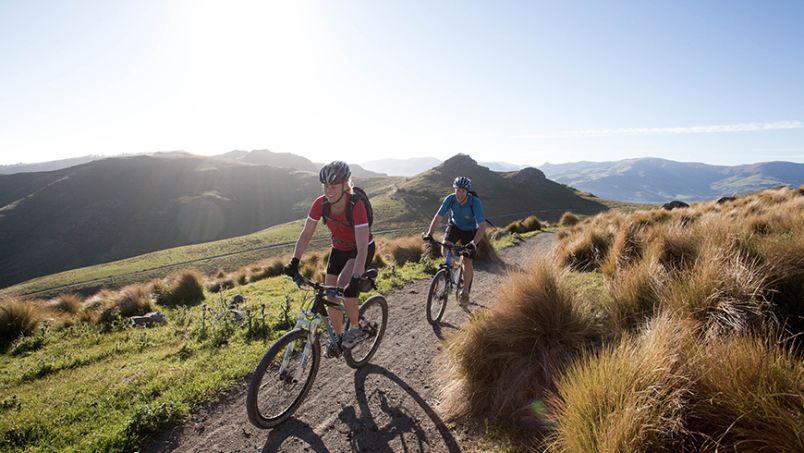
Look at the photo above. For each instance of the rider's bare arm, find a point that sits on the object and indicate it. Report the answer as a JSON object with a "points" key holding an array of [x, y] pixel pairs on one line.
{"points": [[480, 231], [361, 239], [437, 219], [304, 237]]}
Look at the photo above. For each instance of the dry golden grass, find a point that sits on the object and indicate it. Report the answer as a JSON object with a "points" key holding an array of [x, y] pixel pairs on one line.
{"points": [[748, 396], [17, 318], [68, 303], [184, 288], [626, 250], [509, 356], [587, 252], [530, 223], [629, 397], [131, 300], [637, 294], [725, 292], [674, 248], [568, 219], [404, 250]]}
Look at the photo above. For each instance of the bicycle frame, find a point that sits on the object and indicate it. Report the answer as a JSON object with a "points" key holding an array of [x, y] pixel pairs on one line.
{"points": [[449, 264], [311, 319]]}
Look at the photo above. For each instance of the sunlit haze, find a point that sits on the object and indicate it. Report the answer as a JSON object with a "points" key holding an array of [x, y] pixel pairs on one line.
{"points": [[522, 82]]}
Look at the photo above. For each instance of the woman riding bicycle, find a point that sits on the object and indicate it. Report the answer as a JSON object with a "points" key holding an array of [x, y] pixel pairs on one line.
{"points": [[466, 226], [352, 244]]}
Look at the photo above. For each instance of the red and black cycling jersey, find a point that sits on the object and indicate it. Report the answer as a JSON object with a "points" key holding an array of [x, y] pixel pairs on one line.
{"points": [[343, 234]]}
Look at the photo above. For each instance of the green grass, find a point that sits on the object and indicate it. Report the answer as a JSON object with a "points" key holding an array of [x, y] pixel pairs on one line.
{"points": [[85, 389]]}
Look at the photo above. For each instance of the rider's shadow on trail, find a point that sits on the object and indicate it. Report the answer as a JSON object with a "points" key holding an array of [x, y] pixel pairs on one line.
{"points": [[294, 429], [388, 421]]}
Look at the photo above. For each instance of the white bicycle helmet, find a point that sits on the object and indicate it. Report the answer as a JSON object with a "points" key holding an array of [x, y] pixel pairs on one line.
{"points": [[334, 172]]}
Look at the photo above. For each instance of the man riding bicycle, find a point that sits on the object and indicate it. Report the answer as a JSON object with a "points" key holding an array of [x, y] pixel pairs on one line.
{"points": [[352, 245], [466, 226]]}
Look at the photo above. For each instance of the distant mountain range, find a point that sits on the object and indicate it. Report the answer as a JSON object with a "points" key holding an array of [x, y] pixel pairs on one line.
{"points": [[652, 180], [47, 166]]}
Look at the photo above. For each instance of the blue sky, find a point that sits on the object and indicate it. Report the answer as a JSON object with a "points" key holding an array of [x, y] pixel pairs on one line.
{"points": [[523, 82]]}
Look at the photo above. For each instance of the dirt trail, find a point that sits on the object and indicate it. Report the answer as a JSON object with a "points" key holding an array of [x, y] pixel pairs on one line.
{"points": [[388, 405]]}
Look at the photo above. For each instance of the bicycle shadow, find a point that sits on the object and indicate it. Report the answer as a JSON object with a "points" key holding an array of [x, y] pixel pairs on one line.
{"points": [[438, 331], [399, 422], [294, 428]]}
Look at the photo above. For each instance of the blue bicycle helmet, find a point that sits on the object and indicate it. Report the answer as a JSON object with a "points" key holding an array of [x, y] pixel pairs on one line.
{"points": [[462, 182]]}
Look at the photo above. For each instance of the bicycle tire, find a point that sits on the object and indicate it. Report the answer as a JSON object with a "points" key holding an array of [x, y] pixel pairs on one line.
{"points": [[259, 397], [438, 296], [362, 352]]}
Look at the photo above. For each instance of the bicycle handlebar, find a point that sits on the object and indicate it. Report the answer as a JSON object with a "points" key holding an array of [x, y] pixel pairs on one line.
{"points": [[456, 249]]}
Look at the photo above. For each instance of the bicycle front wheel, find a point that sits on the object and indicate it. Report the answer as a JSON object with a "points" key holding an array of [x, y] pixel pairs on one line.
{"points": [[282, 379], [437, 296], [373, 319]]}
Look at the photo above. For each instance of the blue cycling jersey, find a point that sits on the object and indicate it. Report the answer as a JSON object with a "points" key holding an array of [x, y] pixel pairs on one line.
{"points": [[461, 216]]}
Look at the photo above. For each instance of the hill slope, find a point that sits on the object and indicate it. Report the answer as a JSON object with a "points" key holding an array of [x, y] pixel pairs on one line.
{"points": [[505, 195], [652, 180], [120, 207]]}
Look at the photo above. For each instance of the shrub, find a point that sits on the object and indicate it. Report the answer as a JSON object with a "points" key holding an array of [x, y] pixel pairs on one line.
{"points": [[568, 219], [508, 356], [17, 318]]}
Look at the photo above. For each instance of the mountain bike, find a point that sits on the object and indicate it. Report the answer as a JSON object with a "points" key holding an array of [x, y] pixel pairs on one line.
{"points": [[286, 373], [447, 278]]}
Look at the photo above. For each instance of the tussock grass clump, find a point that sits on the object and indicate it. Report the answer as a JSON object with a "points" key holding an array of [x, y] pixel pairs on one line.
{"points": [[629, 397], [68, 303], [404, 250], [184, 288], [485, 251], [568, 219], [508, 357], [674, 248], [530, 223], [587, 252], [131, 300], [749, 396], [725, 292], [267, 270], [17, 318], [636, 295], [626, 250]]}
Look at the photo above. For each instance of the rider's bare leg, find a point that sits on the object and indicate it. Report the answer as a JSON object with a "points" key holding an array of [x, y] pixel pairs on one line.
{"points": [[335, 315], [352, 307], [468, 273]]}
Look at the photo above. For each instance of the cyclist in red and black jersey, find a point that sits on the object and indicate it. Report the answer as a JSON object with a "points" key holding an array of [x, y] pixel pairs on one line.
{"points": [[352, 246]]}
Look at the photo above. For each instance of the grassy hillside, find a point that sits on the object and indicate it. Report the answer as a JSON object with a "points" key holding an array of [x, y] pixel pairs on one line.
{"points": [[648, 331]]}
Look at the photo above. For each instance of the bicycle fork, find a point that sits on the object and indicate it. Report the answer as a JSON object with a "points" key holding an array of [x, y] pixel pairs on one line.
{"points": [[303, 323]]}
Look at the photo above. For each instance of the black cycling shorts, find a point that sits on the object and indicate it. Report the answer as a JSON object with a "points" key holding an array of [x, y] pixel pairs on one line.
{"points": [[338, 258], [458, 236]]}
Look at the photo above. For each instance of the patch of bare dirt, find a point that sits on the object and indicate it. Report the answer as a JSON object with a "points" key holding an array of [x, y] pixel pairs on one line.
{"points": [[387, 406]]}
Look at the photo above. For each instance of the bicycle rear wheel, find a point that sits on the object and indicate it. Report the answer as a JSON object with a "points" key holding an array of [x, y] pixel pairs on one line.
{"points": [[373, 320], [437, 296], [282, 379]]}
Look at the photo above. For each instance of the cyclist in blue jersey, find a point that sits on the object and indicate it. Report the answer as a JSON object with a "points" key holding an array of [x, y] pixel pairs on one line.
{"points": [[466, 226]]}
